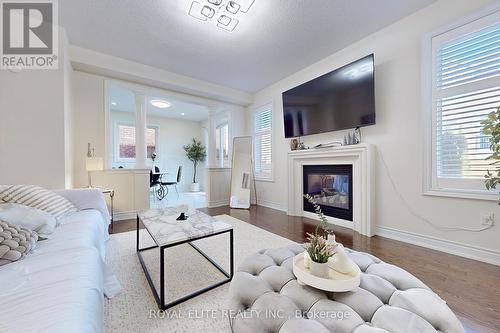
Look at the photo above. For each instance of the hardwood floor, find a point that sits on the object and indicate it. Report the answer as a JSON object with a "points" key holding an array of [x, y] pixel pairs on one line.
{"points": [[471, 288]]}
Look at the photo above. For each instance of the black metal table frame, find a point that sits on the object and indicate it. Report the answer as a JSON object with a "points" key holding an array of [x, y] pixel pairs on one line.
{"points": [[160, 299]]}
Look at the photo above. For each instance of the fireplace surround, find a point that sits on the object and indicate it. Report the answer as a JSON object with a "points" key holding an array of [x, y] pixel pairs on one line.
{"points": [[361, 158]]}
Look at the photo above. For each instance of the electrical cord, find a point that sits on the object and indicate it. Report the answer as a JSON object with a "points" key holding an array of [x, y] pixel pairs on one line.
{"points": [[417, 215]]}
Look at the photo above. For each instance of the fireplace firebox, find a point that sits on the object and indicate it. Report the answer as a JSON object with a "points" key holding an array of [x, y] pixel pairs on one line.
{"points": [[331, 187]]}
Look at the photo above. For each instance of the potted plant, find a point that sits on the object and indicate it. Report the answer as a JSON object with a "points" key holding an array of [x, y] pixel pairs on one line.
{"points": [[492, 128], [319, 249], [195, 152]]}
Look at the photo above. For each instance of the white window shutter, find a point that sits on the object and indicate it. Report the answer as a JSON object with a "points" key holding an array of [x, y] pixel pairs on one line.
{"points": [[263, 162], [466, 87]]}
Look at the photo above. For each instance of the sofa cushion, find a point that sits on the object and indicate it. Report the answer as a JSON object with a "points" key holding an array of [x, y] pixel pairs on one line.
{"points": [[15, 242], [27, 217], [38, 197]]}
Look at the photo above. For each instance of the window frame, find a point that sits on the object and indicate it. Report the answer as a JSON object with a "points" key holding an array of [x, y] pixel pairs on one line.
{"points": [[225, 160], [430, 183], [267, 106], [116, 141]]}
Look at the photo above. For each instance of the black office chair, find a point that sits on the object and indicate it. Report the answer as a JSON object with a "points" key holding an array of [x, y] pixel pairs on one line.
{"points": [[155, 183], [167, 184]]}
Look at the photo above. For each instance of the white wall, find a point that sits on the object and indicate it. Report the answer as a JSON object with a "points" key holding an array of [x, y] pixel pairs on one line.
{"points": [[35, 105], [89, 121], [398, 134]]}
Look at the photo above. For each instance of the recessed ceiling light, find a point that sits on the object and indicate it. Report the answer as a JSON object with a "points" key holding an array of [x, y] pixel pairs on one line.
{"points": [[113, 103], [183, 114], [159, 103]]}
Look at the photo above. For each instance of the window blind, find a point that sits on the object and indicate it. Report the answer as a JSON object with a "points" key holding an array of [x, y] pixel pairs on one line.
{"points": [[263, 143], [465, 90]]}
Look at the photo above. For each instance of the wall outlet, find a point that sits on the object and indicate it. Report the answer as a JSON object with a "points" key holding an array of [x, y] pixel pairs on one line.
{"points": [[487, 218]]}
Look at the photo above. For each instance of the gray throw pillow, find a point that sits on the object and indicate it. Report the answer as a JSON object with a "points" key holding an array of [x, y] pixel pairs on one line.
{"points": [[15, 242]]}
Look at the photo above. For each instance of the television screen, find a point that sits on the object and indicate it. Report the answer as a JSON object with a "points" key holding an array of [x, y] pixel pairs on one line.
{"points": [[342, 99]]}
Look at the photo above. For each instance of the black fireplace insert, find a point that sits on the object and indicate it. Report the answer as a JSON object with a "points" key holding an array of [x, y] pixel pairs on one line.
{"points": [[331, 187]]}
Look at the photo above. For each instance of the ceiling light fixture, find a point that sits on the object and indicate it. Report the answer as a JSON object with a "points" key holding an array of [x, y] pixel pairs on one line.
{"points": [[183, 114], [113, 103], [208, 11], [232, 7], [225, 14], [159, 103]]}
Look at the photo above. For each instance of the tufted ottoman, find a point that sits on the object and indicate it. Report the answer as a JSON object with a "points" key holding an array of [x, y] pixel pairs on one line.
{"points": [[265, 297]]}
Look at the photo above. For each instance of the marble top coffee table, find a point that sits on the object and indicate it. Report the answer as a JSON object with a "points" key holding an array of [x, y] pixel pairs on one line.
{"points": [[166, 231]]}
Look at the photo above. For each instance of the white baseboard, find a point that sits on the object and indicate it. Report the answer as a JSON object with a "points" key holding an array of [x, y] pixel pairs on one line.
{"points": [[468, 251], [270, 204], [218, 203], [119, 216]]}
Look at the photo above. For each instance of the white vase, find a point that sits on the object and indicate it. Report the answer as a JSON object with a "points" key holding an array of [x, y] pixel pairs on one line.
{"points": [[194, 187], [307, 260], [340, 262], [319, 269]]}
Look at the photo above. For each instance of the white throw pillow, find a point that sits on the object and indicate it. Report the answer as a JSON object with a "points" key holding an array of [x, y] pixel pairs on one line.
{"points": [[38, 197], [27, 217]]}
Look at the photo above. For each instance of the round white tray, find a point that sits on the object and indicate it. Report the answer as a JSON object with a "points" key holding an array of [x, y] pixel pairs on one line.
{"points": [[336, 282]]}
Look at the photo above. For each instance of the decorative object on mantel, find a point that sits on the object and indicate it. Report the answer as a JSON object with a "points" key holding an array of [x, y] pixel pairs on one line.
{"points": [[324, 264], [354, 138], [195, 152], [492, 129], [296, 144]]}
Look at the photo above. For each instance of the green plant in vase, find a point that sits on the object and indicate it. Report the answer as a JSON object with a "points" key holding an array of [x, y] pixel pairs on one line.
{"points": [[195, 152], [319, 249], [492, 128]]}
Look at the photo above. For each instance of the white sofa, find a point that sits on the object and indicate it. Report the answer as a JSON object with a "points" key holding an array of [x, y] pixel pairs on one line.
{"points": [[60, 287]]}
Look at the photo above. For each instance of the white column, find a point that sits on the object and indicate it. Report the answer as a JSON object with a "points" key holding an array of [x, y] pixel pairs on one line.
{"points": [[140, 130], [212, 160]]}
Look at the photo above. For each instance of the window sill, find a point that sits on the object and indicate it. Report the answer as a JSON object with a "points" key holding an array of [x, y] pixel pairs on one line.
{"points": [[462, 194], [268, 180]]}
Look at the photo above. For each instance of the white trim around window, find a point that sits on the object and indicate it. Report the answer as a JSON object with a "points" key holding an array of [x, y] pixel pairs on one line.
{"points": [[263, 142], [116, 141], [435, 91]]}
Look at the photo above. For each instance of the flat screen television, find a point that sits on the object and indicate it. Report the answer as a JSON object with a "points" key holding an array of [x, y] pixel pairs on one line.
{"points": [[341, 99]]}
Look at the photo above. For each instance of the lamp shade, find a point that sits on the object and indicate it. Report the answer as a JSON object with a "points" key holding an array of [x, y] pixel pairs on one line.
{"points": [[94, 164]]}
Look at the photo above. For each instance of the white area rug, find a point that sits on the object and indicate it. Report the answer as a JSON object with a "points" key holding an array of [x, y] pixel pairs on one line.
{"points": [[135, 309]]}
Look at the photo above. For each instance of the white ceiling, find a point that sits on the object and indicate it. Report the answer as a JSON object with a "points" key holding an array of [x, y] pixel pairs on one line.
{"points": [[273, 40], [125, 101]]}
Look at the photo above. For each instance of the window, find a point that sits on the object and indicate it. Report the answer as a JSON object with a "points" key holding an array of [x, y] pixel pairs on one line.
{"points": [[125, 141], [263, 121], [222, 143], [465, 87]]}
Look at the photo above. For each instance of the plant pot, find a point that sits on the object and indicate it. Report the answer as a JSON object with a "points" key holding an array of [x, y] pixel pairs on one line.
{"points": [[194, 187], [319, 270]]}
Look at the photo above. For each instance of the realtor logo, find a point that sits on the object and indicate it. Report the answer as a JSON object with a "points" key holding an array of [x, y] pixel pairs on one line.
{"points": [[29, 34]]}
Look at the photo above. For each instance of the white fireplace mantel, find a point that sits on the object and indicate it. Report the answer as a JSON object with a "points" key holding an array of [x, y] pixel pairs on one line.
{"points": [[361, 157]]}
